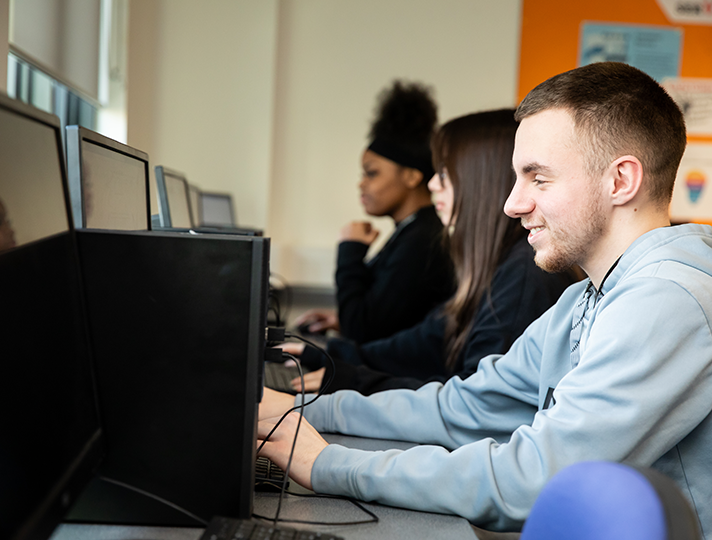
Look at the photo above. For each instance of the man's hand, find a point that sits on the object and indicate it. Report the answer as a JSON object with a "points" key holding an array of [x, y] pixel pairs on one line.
{"points": [[359, 231], [312, 381], [274, 404], [277, 448]]}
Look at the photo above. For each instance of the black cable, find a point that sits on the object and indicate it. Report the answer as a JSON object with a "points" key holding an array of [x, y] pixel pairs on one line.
{"points": [[153, 496], [333, 364], [294, 442], [276, 311], [301, 413], [318, 394], [275, 308], [374, 517], [288, 294]]}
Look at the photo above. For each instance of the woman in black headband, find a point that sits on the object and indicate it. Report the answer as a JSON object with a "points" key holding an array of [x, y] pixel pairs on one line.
{"points": [[412, 273]]}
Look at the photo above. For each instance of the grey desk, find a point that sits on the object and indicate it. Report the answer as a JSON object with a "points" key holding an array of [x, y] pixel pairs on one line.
{"points": [[394, 523]]}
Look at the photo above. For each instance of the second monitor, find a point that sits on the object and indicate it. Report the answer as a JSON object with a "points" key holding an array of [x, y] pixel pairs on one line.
{"points": [[108, 182]]}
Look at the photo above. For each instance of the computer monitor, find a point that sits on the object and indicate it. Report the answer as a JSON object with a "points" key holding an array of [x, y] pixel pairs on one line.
{"points": [[179, 210], [216, 210], [194, 199], [50, 442], [178, 329], [108, 182], [173, 200]]}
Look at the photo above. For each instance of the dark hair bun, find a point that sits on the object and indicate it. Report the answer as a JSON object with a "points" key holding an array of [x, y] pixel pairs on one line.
{"points": [[406, 113]]}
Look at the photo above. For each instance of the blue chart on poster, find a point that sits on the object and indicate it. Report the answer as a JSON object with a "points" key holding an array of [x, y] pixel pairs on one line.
{"points": [[655, 50]]}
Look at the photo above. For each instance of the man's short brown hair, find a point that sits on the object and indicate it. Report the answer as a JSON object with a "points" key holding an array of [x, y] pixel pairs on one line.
{"points": [[618, 110]]}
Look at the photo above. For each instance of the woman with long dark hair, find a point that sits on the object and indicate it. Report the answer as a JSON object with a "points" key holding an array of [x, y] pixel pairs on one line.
{"points": [[500, 290]]}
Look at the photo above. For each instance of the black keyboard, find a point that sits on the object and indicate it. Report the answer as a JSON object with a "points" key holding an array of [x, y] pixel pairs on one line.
{"points": [[279, 377], [268, 477], [221, 528]]}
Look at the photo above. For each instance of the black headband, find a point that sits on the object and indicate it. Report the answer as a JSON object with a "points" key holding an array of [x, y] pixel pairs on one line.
{"points": [[421, 159]]}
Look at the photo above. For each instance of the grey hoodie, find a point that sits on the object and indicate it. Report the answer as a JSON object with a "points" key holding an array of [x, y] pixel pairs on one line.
{"points": [[621, 374]]}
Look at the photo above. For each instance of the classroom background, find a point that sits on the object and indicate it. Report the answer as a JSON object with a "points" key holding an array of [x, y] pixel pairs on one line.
{"points": [[270, 100]]}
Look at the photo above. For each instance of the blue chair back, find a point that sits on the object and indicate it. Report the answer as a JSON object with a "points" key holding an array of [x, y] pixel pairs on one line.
{"points": [[599, 500]]}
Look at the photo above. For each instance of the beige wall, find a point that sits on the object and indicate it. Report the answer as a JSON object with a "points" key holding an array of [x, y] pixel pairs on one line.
{"points": [[200, 84], [271, 99]]}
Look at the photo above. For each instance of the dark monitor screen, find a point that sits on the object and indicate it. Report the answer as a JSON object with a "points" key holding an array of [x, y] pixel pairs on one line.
{"points": [[216, 209], [108, 182], [173, 202], [49, 445], [34, 207]]}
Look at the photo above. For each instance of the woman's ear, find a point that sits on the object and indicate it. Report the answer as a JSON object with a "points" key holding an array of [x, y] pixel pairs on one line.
{"points": [[412, 177]]}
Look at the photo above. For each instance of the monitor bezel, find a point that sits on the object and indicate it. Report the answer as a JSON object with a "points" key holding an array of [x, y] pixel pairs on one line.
{"points": [[49, 513], [75, 163]]}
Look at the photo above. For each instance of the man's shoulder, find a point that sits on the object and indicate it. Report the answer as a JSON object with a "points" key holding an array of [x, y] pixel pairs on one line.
{"points": [[682, 253], [689, 242]]}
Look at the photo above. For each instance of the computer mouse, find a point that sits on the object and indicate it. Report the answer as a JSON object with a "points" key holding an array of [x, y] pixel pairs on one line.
{"points": [[303, 330]]}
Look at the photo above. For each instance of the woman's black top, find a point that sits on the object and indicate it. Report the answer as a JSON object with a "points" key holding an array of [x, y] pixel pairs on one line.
{"points": [[397, 288], [520, 293]]}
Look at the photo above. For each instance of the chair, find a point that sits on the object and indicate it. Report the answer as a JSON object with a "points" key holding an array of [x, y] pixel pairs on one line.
{"points": [[600, 500]]}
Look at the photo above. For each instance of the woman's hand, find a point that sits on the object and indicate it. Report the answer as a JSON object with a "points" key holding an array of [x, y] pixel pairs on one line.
{"points": [[319, 320], [359, 231], [295, 349], [312, 381]]}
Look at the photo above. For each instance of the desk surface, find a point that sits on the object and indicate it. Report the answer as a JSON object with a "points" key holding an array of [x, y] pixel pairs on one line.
{"points": [[394, 523]]}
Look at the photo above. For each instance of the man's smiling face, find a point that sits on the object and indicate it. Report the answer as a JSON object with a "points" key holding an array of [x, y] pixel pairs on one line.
{"points": [[554, 195]]}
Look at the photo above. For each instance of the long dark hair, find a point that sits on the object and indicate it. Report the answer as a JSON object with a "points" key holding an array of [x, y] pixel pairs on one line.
{"points": [[477, 152]]}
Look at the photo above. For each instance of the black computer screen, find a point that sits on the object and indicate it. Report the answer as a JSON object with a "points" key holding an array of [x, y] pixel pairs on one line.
{"points": [[49, 445], [108, 182], [216, 209], [34, 208]]}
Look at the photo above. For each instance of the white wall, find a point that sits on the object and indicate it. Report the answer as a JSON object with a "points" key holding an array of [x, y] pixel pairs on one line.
{"points": [[200, 86], [271, 99], [333, 59]]}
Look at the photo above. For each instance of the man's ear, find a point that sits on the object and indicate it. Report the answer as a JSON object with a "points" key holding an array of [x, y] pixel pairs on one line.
{"points": [[626, 179]]}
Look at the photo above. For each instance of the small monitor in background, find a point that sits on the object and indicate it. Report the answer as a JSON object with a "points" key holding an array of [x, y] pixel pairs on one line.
{"points": [[50, 445], [173, 200], [216, 210], [194, 200], [108, 182]]}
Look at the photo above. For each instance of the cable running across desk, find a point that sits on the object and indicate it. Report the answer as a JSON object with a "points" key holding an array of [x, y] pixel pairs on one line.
{"points": [[374, 518]]}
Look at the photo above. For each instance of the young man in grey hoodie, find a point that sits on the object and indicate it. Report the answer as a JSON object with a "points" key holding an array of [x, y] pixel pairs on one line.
{"points": [[619, 369]]}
